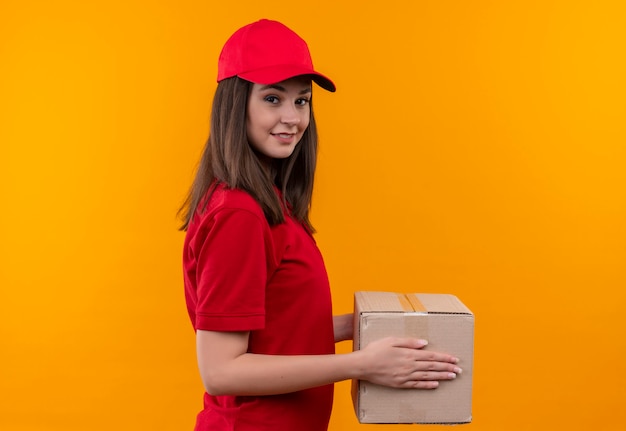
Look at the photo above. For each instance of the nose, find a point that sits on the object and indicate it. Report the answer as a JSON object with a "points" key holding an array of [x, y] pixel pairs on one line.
{"points": [[290, 116]]}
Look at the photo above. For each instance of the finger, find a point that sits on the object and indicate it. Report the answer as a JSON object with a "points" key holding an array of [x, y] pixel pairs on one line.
{"points": [[417, 344], [423, 355], [421, 384], [432, 375], [409, 343], [437, 366]]}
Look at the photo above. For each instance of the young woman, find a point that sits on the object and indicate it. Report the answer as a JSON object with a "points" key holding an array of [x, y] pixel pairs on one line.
{"points": [[255, 282]]}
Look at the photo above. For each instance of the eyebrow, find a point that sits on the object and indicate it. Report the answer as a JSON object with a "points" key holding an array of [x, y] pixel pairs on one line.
{"points": [[281, 88]]}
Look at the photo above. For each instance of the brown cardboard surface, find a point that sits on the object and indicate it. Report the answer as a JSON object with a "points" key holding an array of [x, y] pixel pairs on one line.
{"points": [[447, 324]]}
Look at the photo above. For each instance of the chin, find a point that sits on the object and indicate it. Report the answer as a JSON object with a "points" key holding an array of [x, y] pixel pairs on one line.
{"points": [[281, 154]]}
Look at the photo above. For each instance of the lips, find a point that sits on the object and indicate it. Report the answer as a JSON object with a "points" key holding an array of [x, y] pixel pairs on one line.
{"points": [[284, 138], [283, 135]]}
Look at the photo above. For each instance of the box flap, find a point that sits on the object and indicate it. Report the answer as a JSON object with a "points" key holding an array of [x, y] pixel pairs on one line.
{"points": [[410, 302], [440, 303], [382, 301]]}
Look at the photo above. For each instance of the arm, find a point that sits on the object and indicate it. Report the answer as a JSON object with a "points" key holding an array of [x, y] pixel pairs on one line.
{"points": [[344, 327], [227, 369]]}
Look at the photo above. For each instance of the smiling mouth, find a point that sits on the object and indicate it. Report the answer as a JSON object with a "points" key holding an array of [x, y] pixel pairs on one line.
{"points": [[283, 135]]}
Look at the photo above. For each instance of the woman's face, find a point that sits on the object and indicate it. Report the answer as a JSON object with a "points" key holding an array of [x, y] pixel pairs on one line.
{"points": [[277, 116]]}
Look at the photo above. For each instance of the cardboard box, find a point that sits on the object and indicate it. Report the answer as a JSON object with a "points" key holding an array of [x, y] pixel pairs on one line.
{"points": [[447, 324]]}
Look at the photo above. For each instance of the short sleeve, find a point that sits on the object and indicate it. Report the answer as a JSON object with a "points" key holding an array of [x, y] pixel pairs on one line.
{"points": [[231, 272]]}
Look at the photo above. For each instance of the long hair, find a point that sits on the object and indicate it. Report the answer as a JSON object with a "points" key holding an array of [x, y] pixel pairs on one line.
{"points": [[229, 159]]}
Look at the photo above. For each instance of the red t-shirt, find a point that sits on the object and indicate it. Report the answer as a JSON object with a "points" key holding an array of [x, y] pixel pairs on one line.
{"points": [[241, 274]]}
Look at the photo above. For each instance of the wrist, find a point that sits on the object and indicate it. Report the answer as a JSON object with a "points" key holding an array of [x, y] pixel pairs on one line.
{"points": [[356, 368]]}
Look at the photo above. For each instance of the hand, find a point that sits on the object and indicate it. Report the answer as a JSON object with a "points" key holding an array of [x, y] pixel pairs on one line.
{"points": [[401, 363]]}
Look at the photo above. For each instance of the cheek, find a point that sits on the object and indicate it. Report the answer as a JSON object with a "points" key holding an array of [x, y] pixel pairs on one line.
{"points": [[253, 124], [252, 132], [304, 123], [255, 116], [262, 121]]}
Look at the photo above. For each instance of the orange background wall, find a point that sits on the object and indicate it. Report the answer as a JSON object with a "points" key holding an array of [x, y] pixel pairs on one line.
{"points": [[474, 148]]}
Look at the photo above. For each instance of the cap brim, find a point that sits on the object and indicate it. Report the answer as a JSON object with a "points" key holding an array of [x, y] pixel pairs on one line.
{"points": [[275, 74]]}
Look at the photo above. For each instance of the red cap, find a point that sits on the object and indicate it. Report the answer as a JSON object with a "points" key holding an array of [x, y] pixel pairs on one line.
{"points": [[266, 52]]}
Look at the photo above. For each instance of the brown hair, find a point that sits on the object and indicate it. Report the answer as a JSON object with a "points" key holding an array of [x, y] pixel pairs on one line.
{"points": [[229, 159]]}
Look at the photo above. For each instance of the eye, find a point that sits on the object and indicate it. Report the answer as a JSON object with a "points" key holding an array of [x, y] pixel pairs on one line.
{"points": [[271, 99], [302, 102]]}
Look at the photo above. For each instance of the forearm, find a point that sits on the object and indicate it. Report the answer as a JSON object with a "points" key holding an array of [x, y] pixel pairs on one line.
{"points": [[254, 374], [227, 368], [343, 327]]}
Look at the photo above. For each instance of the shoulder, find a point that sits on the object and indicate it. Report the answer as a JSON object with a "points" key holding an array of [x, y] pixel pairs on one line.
{"points": [[231, 219], [226, 204], [233, 199]]}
